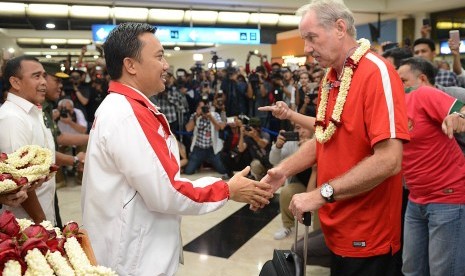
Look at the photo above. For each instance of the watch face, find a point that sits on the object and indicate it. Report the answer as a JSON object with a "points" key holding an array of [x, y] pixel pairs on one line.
{"points": [[326, 190]]}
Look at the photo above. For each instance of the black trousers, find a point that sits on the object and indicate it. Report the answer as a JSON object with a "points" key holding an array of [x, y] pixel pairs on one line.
{"points": [[386, 265]]}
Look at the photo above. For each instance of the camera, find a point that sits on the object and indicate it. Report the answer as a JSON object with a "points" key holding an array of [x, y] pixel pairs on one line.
{"points": [[248, 128], [290, 135], [254, 78], [205, 84], [276, 76], [64, 113], [205, 109]]}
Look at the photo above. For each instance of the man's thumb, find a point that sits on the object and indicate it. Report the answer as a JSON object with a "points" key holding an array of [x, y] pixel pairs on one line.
{"points": [[245, 171]]}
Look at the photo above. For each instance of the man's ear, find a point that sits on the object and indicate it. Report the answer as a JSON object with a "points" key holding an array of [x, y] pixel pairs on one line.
{"points": [[423, 78], [128, 65], [341, 27], [15, 82]]}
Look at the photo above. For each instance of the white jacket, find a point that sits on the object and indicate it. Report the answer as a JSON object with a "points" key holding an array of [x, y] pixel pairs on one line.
{"points": [[133, 196]]}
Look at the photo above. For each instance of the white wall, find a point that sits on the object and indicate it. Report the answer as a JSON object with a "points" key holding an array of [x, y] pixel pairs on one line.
{"points": [[184, 59]]}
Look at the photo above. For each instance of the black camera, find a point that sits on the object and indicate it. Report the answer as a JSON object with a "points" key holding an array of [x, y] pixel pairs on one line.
{"points": [[205, 109], [64, 113], [290, 135], [248, 128], [254, 78], [276, 76]]}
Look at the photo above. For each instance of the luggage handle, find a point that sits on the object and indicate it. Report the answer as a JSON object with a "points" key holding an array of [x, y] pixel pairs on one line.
{"points": [[307, 221]]}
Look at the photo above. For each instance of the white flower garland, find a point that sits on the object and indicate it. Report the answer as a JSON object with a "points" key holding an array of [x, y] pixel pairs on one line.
{"points": [[59, 264], [49, 226], [37, 264], [12, 268], [37, 159], [76, 255], [323, 135], [24, 223], [7, 185]]}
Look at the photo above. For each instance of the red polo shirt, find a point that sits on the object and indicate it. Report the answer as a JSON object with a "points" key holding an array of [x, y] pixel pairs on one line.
{"points": [[368, 224]]}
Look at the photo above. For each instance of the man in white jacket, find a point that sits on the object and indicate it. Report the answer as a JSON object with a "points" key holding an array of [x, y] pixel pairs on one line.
{"points": [[133, 196]]}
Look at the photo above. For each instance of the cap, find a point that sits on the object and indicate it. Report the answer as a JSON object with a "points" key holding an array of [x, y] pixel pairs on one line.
{"points": [[54, 69]]}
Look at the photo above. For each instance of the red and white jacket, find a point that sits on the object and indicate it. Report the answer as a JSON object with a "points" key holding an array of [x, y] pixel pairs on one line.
{"points": [[133, 196]]}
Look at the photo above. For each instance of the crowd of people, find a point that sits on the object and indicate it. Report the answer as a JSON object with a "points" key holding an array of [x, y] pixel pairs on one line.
{"points": [[372, 145]]}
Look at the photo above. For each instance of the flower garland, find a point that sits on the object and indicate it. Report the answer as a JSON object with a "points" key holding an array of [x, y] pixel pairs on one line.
{"points": [[7, 185], [37, 264], [323, 135], [26, 165], [12, 268], [59, 264], [81, 264]]}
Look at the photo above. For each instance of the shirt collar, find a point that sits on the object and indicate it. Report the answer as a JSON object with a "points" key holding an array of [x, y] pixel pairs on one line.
{"points": [[133, 93], [24, 104]]}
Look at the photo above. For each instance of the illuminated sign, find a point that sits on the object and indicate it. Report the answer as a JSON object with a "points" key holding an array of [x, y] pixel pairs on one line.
{"points": [[192, 35]]}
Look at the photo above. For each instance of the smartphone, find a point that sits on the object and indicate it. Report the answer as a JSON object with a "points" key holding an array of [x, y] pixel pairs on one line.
{"points": [[454, 35], [290, 135], [230, 120], [426, 21]]}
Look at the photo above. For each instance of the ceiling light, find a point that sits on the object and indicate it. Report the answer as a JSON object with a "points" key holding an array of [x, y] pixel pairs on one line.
{"points": [[53, 47], [233, 17], [33, 54], [289, 20], [47, 10], [94, 12], [25, 40], [137, 14], [264, 18], [96, 57], [11, 50], [168, 54], [50, 26], [77, 41], [165, 15], [186, 44], [201, 16], [12, 8], [48, 56], [177, 48], [54, 41], [204, 44], [197, 57], [168, 43]]}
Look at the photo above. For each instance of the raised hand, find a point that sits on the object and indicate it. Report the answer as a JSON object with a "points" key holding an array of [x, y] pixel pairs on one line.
{"points": [[280, 110]]}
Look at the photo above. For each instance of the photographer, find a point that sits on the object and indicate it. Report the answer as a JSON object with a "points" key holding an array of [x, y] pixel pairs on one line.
{"points": [[235, 94], [257, 92], [287, 144], [234, 155], [206, 143], [71, 120], [172, 104], [76, 90], [97, 93], [258, 144]]}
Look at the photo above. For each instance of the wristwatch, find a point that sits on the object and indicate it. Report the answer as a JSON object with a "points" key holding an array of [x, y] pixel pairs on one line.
{"points": [[327, 192], [75, 161]]}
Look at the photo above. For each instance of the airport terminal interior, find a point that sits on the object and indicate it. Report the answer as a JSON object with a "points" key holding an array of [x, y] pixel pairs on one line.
{"points": [[233, 240]]}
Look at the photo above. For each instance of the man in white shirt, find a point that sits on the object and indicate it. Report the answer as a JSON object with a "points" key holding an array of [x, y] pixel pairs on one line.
{"points": [[21, 124]]}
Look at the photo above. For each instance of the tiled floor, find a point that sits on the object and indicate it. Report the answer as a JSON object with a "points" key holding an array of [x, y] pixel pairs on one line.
{"points": [[247, 260]]}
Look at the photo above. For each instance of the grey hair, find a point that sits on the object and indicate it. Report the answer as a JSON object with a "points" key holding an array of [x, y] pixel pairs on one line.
{"points": [[62, 102], [328, 11]]}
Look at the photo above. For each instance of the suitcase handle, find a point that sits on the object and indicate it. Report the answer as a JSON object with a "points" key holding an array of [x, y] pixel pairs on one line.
{"points": [[307, 218]]}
